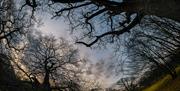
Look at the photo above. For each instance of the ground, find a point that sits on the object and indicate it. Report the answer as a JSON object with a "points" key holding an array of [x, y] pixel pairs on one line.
{"points": [[166, 83]]}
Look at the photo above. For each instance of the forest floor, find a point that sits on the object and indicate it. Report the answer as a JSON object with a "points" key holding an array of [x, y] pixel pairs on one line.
{"points": [[166, 83]]}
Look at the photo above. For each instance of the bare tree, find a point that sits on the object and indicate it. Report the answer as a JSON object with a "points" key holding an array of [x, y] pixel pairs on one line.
{"points": [[13, 25], [154, 46], [54, 60]]}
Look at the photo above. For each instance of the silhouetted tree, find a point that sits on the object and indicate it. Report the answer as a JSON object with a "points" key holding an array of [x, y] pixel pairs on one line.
{"points": [[154, 46], [13, 25], [54, 60]]}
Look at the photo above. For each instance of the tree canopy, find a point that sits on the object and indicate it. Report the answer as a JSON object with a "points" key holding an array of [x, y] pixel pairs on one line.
{"points": [[145, 33], [99, 19], [142, 26]]}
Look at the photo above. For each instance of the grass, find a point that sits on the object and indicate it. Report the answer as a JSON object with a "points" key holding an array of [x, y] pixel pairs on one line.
{"points": [[166, 83]]}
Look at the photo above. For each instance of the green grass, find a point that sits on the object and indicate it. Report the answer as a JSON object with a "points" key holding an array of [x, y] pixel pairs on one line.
{"points": [[166, 83]]}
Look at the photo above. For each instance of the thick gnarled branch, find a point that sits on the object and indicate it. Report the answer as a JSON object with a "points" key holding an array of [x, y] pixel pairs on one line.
{"points": [[117, 33]]}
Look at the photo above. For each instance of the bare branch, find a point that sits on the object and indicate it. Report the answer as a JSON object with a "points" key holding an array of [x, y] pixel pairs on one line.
{"points": [[94, 15], [67, 1], [117, 33], [70, 8]]}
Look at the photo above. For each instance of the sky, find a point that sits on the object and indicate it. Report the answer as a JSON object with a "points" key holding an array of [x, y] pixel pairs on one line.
{"points": [[59, 28]]}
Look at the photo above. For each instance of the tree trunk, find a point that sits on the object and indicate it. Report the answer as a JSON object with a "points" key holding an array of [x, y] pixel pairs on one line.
{"points": [[161, 8], [46, 84], [164, 8]]}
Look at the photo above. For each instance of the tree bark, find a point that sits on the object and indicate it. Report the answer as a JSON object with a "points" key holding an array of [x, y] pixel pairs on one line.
{"points": [[46, 84], [161, 8]]}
